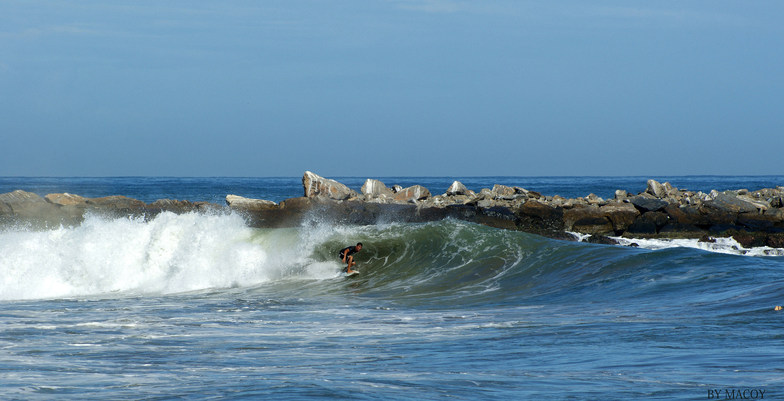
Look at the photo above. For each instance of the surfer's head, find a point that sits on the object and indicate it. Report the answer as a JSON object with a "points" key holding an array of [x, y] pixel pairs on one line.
{"points": [[359, 246]]}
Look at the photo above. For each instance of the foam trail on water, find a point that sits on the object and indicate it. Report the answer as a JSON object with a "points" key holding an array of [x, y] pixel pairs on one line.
{"points": [[720, 245], [170, 253]]}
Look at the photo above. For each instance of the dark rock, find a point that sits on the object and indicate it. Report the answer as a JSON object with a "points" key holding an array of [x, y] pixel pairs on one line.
{"points": [[648, 223], [587, 220], [730, 204], [621, 215], [708, 239], [775, 240], [719, 218], [760, 222], [677, 230], [563, 236], [645, 204], [538, 217], [601, 239], [749, 240], [688, 216], [777, 216], [498, 217]]}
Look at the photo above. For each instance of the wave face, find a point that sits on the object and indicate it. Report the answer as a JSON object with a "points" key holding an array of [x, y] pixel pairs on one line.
{"points": [[452, 262], [447, 262]]}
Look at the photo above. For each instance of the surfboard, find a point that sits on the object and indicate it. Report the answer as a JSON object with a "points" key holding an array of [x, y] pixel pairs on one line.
{"points": [[353, 273]]}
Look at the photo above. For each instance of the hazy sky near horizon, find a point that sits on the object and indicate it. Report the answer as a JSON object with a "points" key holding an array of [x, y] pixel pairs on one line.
{"points": [[378, 88]]}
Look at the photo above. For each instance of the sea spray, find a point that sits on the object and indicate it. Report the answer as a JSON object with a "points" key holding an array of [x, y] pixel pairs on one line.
{"points": [[170, 253]]}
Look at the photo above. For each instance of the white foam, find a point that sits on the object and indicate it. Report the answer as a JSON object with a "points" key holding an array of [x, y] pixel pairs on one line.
{"points": [[722, 245], [168, 254]]}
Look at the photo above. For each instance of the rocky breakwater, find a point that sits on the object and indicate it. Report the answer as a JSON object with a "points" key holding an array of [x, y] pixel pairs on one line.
{"points": [[53, 210], [328, 200], [753, 218]]}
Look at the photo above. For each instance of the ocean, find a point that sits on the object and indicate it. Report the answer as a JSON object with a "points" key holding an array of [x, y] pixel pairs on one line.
{"points": [[201, 306]]}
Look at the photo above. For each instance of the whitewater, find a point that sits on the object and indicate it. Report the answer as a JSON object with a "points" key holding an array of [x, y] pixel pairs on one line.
{"points": [[202, 306]]}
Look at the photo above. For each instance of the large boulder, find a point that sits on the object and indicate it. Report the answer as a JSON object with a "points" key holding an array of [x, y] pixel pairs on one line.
{"points": [[375, 189], [587, 220], [457, 188], [503, 192], [771, 221], [25, 204], [117, 206], [18, 201], [540, 217], [621, 215], [116, 202], [648, 204], [177, 206], [685, 219], [248, 204], [317, 186], [656, 189], [414, 193], [649, 223], [66, 199], [29, 207], [727, 203]]}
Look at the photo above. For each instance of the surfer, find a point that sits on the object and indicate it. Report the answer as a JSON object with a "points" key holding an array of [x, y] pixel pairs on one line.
{"points": [[347, 256]]}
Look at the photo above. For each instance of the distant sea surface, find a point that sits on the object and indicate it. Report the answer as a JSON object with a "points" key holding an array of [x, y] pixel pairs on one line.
{"points": [[201, 306]]}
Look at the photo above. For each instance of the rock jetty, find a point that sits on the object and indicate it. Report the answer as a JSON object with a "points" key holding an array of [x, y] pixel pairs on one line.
{"points": [[753, 218], [53, 210]]}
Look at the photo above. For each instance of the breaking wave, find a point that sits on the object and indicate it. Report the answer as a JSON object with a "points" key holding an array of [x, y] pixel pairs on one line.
{"points": [[445, 262]]}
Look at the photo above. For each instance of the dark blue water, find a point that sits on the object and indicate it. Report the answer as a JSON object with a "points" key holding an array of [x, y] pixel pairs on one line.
{"points": [[204, 307], [215, 189]]}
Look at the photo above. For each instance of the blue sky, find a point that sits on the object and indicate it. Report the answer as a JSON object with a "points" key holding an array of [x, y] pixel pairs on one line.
{"points": [[386, 88]]}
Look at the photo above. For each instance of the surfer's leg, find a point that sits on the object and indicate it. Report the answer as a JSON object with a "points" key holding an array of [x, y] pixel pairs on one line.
{"points": [[350, 261]]}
